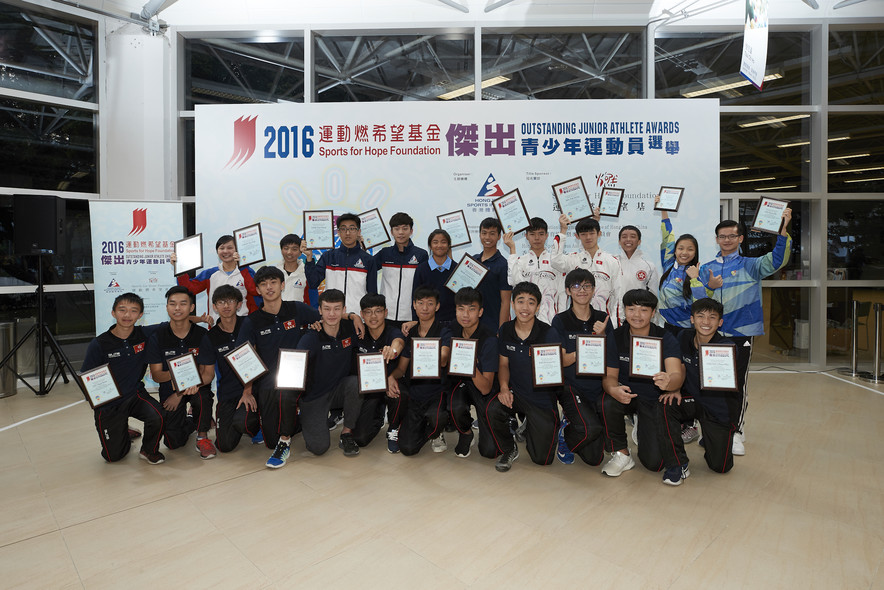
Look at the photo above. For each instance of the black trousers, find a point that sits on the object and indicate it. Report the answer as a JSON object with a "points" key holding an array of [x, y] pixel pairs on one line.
{"points": [[649, 425], [422, 420], [231, 423], [371, 418], [460, 398], [278, 409], [541, 436], [583, 434], [718, 437], [744, 356], [179, 427], [113, 426], [396, 406]]}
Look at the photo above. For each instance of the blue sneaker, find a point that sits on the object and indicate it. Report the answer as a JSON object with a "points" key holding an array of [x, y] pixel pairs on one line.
{"points": [[564, 453], [258, 439], [280, 455], [673, 476]]}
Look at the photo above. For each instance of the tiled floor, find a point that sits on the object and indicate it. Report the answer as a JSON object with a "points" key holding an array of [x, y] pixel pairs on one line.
{"points": [[803, 509]]}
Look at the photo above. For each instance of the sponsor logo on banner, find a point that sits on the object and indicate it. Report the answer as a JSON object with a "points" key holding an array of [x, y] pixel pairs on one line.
{"points": [[606, 179], [491, 188], [139, 221], [243, 141], [113, 284]]}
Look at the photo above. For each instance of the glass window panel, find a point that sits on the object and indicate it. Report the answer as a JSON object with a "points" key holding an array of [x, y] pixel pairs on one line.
{"points": [[707, 65], [856, 67], [786, 336], [187, 181], [856, 240], [758, 243], [46, 147], [236, 71], [394, 67], [563, 64], [839, 325], [47, 54], [765, 153], [856, 153]]}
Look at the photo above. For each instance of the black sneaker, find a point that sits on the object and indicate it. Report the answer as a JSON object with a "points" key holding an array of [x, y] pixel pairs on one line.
{"points": [[335, 417], [351, 449], [463, 445], [152, 458], [505, 461]]}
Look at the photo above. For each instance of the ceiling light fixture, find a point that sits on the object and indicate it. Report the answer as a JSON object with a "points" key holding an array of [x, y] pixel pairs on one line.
{"points": [[866, 179], [848, 156], [753, 179], [773, 121], [471, 88], [734, 169], [704, 90], [776, 188], [856, 170]]}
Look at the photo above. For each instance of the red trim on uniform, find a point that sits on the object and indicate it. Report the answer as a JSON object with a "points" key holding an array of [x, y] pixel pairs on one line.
{"points": [[398, 266], [580, 414], [729, 448], [101, 436], [438, 411], [162, 422], [345, 269], [488, 421], [554, 440], [451, 409], [669, 432]]}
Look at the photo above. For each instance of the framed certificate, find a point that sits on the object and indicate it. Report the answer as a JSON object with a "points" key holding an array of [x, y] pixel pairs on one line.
{"points": [[99, 386], [670, 198], [185, 372], [591, 351], [646, 356], [245, 362], [718, 367], [468, 273], [610, 201], [188, 254], [426, 358], [249, 243], [319, 229], [455, 223], [463, 357], [769, 215], [372, 229], [573, 199], [546, 364], [292, 369], [372, 372], [511, 212]]}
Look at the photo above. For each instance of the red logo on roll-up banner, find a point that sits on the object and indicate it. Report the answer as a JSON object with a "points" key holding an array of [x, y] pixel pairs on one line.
{"points": [[139, 221], [243, 141]]}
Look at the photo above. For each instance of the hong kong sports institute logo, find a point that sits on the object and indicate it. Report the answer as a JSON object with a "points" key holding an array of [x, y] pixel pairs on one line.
{"points": [[243, 141]]}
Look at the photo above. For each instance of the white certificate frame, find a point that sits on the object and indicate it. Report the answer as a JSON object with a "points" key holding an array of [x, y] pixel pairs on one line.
{"points": [[582, 187], [455, 282], [229, 355], [637, 371], [671, 192], [319, 242], [523, 223], [579, 361], [286, 356], [462, 344], [733, 357], [245, 261], [608, 193], [175, 372], [94, 400], [364, 384], [419, 373], [370, 223], [758, 211], [463, 220], [192, 249], [533, 350]]}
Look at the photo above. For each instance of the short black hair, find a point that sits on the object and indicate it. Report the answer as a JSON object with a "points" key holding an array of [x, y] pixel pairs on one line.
{"points": [[730, 223], [528, 289], [424, 291], [467, 296], [578, 276], [587, 225], [226, 293], [537, 224], [707, 304], [373, 300], [439, 232], [640, 297], [177, 290], [223, 240], [491, 223], [128, 298], [348, 217], [265, 273], [633, 228], [331, 296], [401, 219], [290, 239]]}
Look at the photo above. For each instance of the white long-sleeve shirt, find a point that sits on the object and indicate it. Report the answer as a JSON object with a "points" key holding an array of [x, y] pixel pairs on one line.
{"points": [[539, 270], [604, 267], [638, 272]]}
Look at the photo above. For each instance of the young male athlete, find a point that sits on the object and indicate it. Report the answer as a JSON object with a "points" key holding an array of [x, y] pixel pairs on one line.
{"points": [[123, 349], [496, 291], [398, 264], [422, 404], [517, 391], [717, 411], [172, 339], [349, 268], [638, 271], [535, 266], [625, 394], [476, 391], [295, 278]]}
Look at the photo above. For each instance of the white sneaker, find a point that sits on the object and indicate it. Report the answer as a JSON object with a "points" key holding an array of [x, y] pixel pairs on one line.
{"points": [[738, 448], [618, 464], [439, 445]]}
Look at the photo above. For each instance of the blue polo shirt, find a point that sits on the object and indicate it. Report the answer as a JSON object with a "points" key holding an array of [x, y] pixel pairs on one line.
{"points": [[569, 326], [494, 282], [423, 389], [621, 341], [518, 352], [126, 358], [330, 358], [164, 345], [216, 344]]}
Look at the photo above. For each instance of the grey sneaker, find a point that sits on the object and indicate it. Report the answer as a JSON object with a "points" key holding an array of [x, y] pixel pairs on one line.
{"points": [[505, 461], [439, 445]]}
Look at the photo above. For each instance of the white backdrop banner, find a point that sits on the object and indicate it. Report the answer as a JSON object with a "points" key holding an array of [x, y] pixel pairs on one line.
{"points": [[269, 163], [131, 243]]}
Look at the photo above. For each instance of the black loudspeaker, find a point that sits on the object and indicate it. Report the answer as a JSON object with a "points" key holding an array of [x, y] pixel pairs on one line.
{"points": [[39, 224]]}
